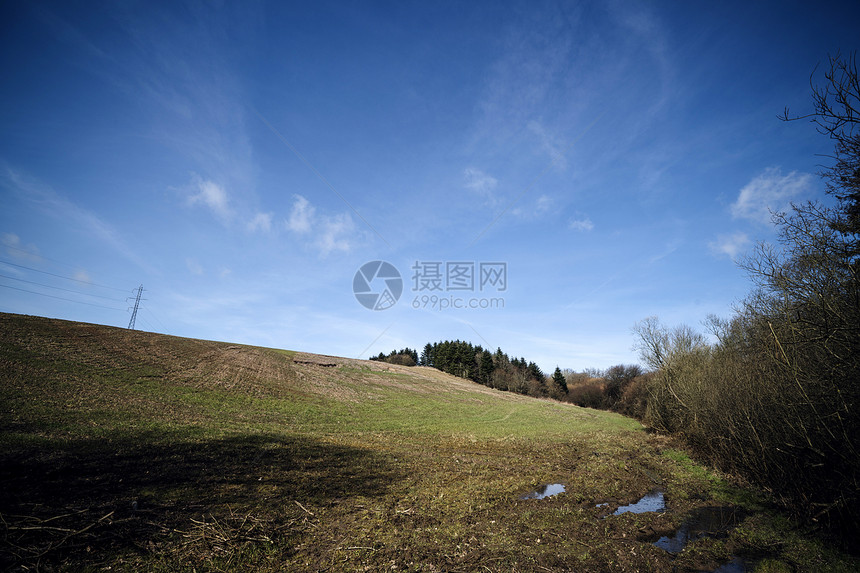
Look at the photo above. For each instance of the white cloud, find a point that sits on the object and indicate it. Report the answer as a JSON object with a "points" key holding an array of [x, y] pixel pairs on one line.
{"points": [[581, 224], [327, 234], [261, 222], [481, 183], [184, 78], [533, 210], [544, 203], [333, 234], [15, 248], [770, 192], [301, 216], [212, 196], [731, 245]]}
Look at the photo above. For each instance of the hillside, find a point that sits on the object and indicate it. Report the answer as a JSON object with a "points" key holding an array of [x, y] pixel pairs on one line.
{"points": [[134, 450]]}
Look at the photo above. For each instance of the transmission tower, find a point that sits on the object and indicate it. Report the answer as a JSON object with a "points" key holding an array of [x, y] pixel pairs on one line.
{"points": [[136, 304]]}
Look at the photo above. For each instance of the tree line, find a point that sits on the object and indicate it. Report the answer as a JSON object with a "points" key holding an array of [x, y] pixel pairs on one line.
{"points": [[465, 360], [403, 357], [617, 388]]}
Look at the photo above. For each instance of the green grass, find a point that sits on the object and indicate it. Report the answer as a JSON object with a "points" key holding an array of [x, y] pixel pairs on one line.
{"points": [[136, 451]]}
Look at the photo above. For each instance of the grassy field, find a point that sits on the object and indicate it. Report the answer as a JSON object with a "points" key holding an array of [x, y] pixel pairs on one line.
{"points": [[135, 451]]}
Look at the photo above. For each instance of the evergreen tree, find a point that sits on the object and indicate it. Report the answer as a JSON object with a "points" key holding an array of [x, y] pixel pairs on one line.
{"points": [[559, 380], [486, 368], [427, 355], [535, 372]]}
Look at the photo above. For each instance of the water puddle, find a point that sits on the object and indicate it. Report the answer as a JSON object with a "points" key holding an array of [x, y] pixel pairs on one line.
{"points": [[736, 565], [653, 501], [543, 491], [703, 522]]}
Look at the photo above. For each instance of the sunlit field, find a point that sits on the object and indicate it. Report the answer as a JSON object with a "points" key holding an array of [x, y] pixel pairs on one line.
{"points": [[138, 451]]}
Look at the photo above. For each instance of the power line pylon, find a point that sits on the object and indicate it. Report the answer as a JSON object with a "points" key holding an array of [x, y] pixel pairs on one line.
{"points": [[136, 304]]}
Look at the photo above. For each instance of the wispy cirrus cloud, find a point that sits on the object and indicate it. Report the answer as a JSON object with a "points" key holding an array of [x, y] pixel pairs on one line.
{"points": [[14, 247], [49, 201], [521, 83], [550, 144], [558, 71], [770, 192], [184, 75]]}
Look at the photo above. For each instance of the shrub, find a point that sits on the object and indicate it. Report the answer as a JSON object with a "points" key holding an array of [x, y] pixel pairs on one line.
{"points": [[590, 394], [634, 399]]}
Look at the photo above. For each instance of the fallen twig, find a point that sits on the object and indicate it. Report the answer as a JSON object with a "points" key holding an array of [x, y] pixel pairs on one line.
{"points": [[309, 512]]}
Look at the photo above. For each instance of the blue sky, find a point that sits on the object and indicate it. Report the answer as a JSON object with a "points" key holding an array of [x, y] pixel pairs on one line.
{"points": [[243, 160]]}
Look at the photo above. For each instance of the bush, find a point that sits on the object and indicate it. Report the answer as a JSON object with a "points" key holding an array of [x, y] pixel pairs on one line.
{"points": [[589, 394], [617, 379], [634, 400], [766, 402], [401, 359]]}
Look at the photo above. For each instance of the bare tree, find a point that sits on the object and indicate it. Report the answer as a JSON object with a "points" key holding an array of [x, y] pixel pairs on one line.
{"points": [[836, 104]]}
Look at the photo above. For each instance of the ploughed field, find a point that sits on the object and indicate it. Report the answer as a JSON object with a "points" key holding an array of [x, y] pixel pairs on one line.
{"points": [[140, 451]]}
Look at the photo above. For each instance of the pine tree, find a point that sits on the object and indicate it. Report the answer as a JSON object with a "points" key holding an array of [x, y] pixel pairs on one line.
{"points": [[427, 355], [486, 368], [559, 380]]}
